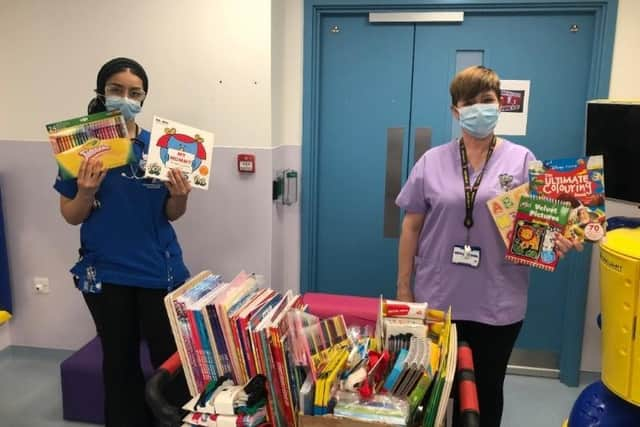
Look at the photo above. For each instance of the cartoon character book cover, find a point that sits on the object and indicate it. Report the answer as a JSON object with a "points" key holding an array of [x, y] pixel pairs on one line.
{"points": [[533, 238], [175, 145], [579, 181]]}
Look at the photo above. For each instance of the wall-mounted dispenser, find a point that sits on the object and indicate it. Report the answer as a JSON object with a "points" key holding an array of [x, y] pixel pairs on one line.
{"points": [[285, 187]]}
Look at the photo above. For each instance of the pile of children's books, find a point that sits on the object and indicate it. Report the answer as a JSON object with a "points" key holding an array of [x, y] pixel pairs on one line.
{"points": [[563, 196], [235, 338]]}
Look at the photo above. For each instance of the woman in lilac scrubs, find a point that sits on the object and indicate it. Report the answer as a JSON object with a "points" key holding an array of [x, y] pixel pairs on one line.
{"points": [[450, 238]]}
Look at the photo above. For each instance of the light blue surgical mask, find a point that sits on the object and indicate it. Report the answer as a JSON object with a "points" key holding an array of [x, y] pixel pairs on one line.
{"points": [[479, 120], [128, 107]]}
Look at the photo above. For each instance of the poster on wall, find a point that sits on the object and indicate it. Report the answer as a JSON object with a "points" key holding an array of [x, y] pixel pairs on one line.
{"points": [[514, 107]]}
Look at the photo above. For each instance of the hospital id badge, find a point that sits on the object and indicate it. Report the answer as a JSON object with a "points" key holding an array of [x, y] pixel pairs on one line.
{"points": [[466, 255]]}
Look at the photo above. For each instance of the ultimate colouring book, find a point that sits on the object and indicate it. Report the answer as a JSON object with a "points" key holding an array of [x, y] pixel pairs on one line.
{"points": [[579, 181], [174, 145]]}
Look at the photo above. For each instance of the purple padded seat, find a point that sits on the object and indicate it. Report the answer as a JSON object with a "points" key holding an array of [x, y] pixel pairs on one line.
{"points": [[82, 386]]}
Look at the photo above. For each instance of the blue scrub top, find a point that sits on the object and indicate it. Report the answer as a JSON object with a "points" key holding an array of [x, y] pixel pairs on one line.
{"points": [[127, 239]]}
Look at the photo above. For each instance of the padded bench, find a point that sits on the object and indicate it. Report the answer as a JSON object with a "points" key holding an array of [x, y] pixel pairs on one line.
{"points": [[82, 385]]}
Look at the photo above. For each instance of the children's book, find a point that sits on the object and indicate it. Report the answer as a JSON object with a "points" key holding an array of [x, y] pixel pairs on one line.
{"points": [[180, 330], [96, 136], [533, 239], [503, 209], [174, 145], [579, 181]]}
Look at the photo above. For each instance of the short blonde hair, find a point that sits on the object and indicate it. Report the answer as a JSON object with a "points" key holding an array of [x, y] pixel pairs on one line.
{"points": [[470, 82]]}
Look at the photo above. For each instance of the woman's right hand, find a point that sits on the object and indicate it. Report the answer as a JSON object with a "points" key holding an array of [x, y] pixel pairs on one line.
{"points": [[404, 293], [90, 177]]}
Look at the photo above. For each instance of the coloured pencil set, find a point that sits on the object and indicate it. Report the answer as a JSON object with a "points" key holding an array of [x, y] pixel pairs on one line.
{"points": [[102, 135]]}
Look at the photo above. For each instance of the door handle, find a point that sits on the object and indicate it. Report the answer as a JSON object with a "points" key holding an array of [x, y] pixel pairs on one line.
{"points": [[422, 143], [393, 181]]}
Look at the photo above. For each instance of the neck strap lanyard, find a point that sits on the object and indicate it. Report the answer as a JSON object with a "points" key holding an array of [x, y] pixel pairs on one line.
{"points": [[471, 191]]}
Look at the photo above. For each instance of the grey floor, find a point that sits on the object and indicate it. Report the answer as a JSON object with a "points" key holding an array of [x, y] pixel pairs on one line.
{"points": [[30, 393]]}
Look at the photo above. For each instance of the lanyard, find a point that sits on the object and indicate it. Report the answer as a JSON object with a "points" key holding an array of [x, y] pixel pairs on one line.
{"points": [[471, 191]]}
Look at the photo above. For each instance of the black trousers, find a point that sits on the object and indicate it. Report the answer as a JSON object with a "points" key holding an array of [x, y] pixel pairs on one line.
{"points": [[124, 315], [491, 347]]}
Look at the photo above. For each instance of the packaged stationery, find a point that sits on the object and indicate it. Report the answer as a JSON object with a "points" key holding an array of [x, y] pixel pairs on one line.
{"points": [[536, 224], [305, 366], [101, 136], [177, 146], [579, 181]]}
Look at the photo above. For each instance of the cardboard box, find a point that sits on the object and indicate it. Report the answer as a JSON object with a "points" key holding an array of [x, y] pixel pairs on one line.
{"points": [[331, 421]]}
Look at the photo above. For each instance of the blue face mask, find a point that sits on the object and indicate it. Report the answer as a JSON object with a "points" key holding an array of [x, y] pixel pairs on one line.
{"points": [[479, 119], [128, 107]]}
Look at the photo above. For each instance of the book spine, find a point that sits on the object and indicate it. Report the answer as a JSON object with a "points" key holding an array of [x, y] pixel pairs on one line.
{"points": [[188, 343], [272, 406], [292, 377], [220, 343], [199, 351], [242, 367], [518, 260], [281, 378], [206, 346], [212, 343], [177, 335], [243, 332], [228, 338]]}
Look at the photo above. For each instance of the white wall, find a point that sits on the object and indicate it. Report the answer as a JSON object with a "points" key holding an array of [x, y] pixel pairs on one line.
{"points": [[626, 54], [286, 72], [52, 50], [209, 65]]}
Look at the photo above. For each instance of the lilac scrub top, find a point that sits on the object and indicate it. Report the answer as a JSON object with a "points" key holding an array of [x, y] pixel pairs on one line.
{"points": [[495, 293]]}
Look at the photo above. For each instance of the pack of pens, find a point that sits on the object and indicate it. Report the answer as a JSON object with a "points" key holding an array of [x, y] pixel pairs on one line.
{"points": [[100, 136]]}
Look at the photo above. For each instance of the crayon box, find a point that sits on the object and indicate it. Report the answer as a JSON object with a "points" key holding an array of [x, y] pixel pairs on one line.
{"points": [[101, 135]]}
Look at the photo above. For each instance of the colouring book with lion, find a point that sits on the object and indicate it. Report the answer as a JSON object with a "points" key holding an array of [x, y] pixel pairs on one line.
{"points": [[174, 145], [533, 238]]}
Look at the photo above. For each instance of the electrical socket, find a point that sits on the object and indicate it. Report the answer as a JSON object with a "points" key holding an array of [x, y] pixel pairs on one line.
{"points": [[41, 285]]}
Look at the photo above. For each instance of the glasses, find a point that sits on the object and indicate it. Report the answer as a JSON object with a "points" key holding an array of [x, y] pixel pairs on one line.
{"points": [[134, 93]]}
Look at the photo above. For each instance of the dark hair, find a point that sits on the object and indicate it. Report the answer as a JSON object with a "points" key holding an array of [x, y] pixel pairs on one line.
{"points": [[112, 67]]}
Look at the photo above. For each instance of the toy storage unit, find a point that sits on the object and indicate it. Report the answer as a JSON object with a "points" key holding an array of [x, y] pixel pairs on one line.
{"points": [[620, 304]]}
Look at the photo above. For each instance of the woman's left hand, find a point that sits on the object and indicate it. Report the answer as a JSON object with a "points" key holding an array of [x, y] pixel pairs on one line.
{"points": [[564, 245], [178, 184]]}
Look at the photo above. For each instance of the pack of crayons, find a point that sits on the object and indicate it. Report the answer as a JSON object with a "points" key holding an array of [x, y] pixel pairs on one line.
{"points": [[101, 135]]}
